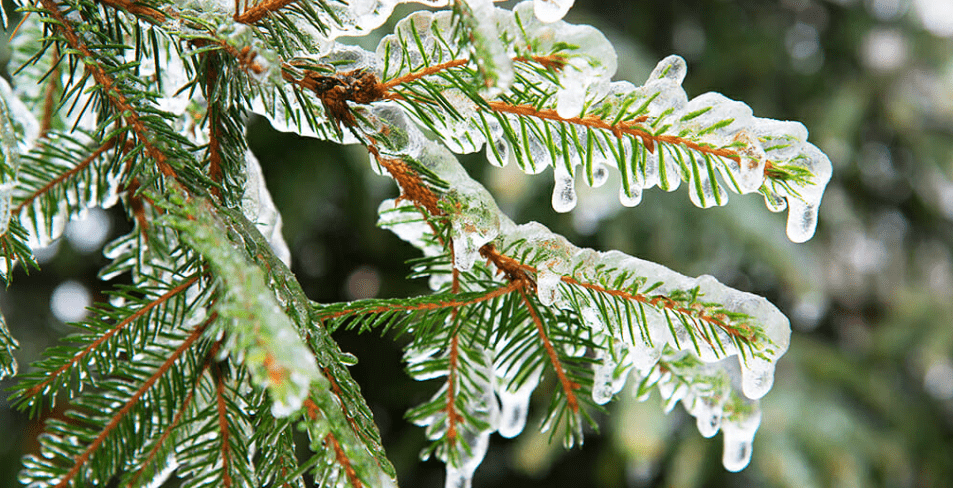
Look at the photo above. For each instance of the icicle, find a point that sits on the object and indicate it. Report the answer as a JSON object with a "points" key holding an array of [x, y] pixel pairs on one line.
{"points": [[18, 132], [672, 69], [738, 431], [547, 286], [564, 190], [462, 476], [610, 372], [632, 197], [514, 405]]}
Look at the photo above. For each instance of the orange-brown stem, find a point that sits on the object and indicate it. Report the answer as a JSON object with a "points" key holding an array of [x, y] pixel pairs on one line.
{"points": [[214, 131], [452, 416], [416, 75], [118, 416], [49, 95], [143, 11], [554, 62], [568, 386], [665, 302], [340, 394], [342, 460], [339, 454], [258, 12], [222, 425], [411, 185]]}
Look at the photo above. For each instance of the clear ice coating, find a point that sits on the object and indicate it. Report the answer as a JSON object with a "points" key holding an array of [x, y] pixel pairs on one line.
{"points": [[259, 208], [18, 131], [490, 53], [709, 142]]}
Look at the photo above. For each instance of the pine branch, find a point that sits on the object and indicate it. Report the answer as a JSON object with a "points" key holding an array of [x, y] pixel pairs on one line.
{"points": [[222, 425], [160, 442], [127, 407], [28, 395], [118, 100], [59, 179]]}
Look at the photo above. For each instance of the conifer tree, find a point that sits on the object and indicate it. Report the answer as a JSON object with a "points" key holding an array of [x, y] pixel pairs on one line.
{"points": [[213, 360]]}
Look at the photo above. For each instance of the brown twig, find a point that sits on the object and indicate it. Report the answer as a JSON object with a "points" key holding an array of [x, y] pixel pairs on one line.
{"points": [[568, 386], [139, 10], [260, 11], [339, 454], [222, 424]]}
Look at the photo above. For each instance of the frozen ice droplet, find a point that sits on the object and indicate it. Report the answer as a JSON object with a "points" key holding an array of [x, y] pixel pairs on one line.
{"points": [[632, 197], [708, 414], [564, 190], [738, 439], [551, 10], [600, 174], [514, 406], [672, 68], [461, 476], [757, 377], [499, 154], [802, 220]]}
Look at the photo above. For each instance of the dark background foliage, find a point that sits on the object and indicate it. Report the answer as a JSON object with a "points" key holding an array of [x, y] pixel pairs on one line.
{"points": [[865, 395]]}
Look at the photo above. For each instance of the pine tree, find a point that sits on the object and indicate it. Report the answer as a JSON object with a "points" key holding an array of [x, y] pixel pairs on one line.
{"points": [[210, 363]]}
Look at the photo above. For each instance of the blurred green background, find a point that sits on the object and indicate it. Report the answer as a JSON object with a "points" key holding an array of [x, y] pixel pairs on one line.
{"points": [[865, 395]]}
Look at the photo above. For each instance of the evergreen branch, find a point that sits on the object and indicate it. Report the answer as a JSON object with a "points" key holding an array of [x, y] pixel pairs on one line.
{"points": [[324, 349], [552, 61], [418, 304], [118, 100], [452, 416], [336, 390], [176, 420], [127, 407], [214, 131], [109, 144], [8, 363], [631, 127], [742, 331], [411, 185], [416, 75], [37, 389], [340, 456], [567, 385]]}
